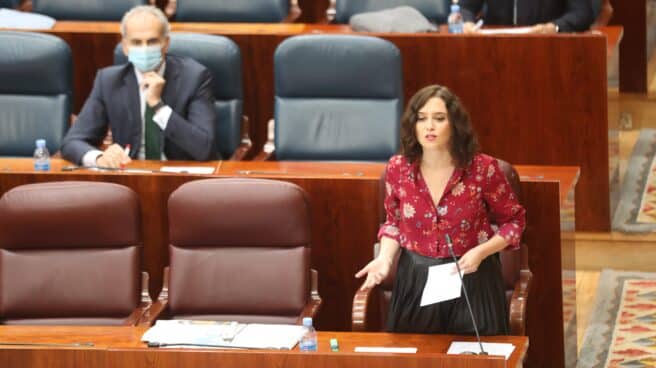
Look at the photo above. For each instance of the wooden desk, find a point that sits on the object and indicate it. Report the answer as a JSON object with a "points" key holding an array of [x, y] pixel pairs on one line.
{"points": [[345, 204], [535, 100], [121, 347]]}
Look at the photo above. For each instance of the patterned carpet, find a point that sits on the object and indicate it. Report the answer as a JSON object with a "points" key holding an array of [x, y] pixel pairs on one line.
{"points": [[636, 210], [622, 329]]}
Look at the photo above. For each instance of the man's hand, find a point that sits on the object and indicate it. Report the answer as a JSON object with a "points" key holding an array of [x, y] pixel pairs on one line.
{"points": [[544, 28], [469, 27], [114, 157], [153, 84]]}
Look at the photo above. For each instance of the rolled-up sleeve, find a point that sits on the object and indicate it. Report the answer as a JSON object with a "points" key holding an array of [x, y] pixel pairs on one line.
{"points": [[504, 206]]}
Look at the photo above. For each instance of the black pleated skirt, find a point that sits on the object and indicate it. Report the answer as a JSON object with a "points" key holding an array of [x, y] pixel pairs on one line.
{"points": [[486, 294]]}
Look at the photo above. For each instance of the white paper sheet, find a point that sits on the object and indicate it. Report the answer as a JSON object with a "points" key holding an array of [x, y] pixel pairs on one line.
{"points": [[491, 348], [205, 170], [21, 20], [205, 334], [442, 284], [261, 336], [382, 349], [509, 30]]}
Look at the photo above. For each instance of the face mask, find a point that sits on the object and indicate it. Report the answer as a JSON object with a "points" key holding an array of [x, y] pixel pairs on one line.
{"points": [[145, 59]]}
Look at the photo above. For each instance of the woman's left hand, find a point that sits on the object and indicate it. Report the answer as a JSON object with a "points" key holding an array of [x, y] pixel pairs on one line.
{"points": [[470, 261]]}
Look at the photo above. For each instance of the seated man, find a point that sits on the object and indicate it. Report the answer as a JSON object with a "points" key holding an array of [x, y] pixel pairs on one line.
{"points": [[157, 106], [549, 16]]}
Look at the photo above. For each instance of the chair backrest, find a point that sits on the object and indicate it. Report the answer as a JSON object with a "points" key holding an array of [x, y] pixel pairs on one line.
{"points": [[250, 11], [35, 91], [512, 261], [8, 4], [240, 250], [337, 97], [86, 9], [69, 253], [223, 59], [434, 10]]}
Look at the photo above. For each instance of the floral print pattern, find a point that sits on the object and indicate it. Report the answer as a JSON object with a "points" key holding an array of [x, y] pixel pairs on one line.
{"points": [[477, 203]]}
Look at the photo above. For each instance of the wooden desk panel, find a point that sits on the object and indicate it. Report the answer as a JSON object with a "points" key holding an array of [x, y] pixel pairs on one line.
{"points": [[121, 347], [535, 100], [345, 204]]}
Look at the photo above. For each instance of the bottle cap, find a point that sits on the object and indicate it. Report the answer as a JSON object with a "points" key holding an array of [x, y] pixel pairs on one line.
{"points": [[40, 143], [307, 321]]}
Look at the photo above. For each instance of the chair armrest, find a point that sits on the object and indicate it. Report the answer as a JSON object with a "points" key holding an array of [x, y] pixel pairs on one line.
{"points": [[518, 303], [145, 303], [245, 147], [294, 12], [159, 308], [269, 149], [313, 305], [361, 303]]}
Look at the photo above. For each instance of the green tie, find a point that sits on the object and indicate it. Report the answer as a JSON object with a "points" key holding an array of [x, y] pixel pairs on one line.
{"points": [[153, 132]]}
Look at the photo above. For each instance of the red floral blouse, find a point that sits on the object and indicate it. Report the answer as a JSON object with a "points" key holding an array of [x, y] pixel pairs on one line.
{"points": [[473, 197]]}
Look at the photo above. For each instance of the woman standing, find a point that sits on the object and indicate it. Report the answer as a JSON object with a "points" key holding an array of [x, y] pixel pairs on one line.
{"points": [[440, 185]]}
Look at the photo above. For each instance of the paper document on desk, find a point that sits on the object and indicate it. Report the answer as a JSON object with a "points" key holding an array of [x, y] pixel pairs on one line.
{"points": [[223, 334], [265, 336], [442, 284], [185, 332], [384, 349], [21, 20], [491, 348], [509, 30], [204, 170]]}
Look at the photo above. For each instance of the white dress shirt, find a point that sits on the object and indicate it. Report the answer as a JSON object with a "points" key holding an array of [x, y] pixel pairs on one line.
{"points": [[161, 118]]}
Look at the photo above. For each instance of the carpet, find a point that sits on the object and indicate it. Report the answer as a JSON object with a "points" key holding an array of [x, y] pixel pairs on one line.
{"points": [[636, 210], [621, 332]]}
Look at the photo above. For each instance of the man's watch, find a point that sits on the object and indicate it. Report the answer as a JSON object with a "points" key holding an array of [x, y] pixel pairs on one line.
{"points": [[158, 106]]}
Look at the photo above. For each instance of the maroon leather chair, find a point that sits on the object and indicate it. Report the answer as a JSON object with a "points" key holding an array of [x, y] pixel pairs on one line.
{"points": [[370, 307], [70, 255], [239, 251]]}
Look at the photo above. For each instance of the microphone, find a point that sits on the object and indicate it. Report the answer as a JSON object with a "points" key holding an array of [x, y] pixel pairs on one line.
{"points": [[449, 244]]}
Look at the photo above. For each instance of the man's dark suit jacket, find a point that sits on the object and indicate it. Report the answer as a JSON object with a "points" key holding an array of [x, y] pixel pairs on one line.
{"points": [[568, 15], [114, 101]]}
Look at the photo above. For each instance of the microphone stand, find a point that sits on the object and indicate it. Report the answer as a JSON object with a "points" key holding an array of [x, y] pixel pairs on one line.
{"points": [[471, 313]]}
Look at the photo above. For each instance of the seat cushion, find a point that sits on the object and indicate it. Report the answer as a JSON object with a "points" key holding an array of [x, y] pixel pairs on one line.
{"points": [[78, 283], [337, 129], [244, 281], [85, 10], [435, 10]]}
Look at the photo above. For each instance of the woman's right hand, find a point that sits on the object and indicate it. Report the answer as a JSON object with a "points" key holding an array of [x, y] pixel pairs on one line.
{"points": [[376, 271]]}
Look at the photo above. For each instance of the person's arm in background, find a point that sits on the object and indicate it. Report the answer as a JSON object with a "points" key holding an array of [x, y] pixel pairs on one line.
{"points": [[577, 18], [469, 9], [506, 211], [194, 133], [378, 269]]}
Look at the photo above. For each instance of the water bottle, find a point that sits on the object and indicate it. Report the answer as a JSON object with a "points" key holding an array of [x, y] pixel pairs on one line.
{"points": [[455, 19], [41, 156], [309, 339]]}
